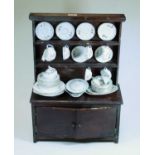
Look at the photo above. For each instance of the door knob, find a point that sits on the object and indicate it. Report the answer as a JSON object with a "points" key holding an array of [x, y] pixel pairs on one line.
{"points": [[74, 125], [79, 125]]}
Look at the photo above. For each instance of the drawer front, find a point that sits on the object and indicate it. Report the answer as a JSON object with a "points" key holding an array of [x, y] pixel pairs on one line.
{"points": [[54, 122], [96, 123]]}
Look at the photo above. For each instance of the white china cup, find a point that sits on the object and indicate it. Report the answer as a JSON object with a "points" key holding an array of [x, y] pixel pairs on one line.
{"points": [[106, 75], [65, 52], [89, 52], [98, 85], [103, 54], [49, 53], [88, 74], [81, 54]]}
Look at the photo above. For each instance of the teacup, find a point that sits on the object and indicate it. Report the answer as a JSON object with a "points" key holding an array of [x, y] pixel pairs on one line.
{"points": [[88, 74], [49, 53], [103, 54], [106, 75], [98, 85], [65, 52], [89, 50], [81, 54]]}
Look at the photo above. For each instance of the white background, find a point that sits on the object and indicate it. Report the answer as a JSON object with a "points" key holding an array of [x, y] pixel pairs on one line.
{"points": [[129, 133]]}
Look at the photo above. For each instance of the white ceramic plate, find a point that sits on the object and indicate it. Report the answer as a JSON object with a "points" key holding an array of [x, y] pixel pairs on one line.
{"points": [[77, 85], [114, 88], [65, 31], [85, 31], [107, 31], [49, 91], [44, 31], [103, 54]]}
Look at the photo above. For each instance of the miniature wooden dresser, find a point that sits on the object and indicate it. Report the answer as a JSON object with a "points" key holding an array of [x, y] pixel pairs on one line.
{"points": [[86, 118]]}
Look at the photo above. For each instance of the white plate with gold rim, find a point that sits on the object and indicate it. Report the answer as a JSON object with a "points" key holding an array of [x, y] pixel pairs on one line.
{"points": [[50, 92], [107, 31], [85, 31], [113, 89], [65, 31], [44, 31]]}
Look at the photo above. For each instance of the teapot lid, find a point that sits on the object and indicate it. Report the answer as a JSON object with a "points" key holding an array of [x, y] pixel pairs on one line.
{"points": [[50, 70], [49, 73], [106, 73]]}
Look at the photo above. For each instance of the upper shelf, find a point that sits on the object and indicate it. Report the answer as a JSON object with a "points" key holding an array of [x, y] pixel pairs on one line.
{"points": [[40, 64], [77, 42], [76, 16]]}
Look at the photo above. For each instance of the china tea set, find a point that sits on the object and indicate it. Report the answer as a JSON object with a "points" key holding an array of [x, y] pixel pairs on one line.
{"points": [[49, 83], [79, 54]]}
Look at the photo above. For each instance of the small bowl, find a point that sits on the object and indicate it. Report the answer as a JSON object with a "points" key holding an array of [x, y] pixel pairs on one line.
{"points": [[74, 94], [76, 87]]}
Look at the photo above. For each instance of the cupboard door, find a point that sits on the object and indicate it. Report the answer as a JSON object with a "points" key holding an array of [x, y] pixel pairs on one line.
{"points": [[96, 123], [55, 122]]}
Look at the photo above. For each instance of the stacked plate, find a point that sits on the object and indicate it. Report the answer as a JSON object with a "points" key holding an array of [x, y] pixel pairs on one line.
{"points": [[49, 84]]}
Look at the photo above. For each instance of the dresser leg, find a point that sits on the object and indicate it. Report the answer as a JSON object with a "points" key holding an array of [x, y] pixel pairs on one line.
{"points": [[34, 140], [116, 140]]}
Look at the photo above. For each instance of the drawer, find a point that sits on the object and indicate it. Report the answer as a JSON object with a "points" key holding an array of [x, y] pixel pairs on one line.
{"points": [[75, 123]]}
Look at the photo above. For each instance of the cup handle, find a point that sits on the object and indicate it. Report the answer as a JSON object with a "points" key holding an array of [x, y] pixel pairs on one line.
{"points": [[49, 45]]}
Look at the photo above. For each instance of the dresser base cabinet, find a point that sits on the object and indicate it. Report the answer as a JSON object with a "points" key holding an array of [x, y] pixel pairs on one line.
{"points": [[83, 121]]}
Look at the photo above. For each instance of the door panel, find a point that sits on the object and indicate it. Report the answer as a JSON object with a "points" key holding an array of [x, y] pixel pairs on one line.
{"points": [[96, 123], [55, 122]]}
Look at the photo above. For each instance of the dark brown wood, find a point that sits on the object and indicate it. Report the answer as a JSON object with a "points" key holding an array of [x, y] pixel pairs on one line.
{"points": [[84, 100], [85, 123], [76, 16], [87, 118]]}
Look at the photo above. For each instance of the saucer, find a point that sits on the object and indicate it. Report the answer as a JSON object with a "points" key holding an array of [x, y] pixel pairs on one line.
{"points": [[65, 31], [85, 31], [113, 89], [50, 92]]}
